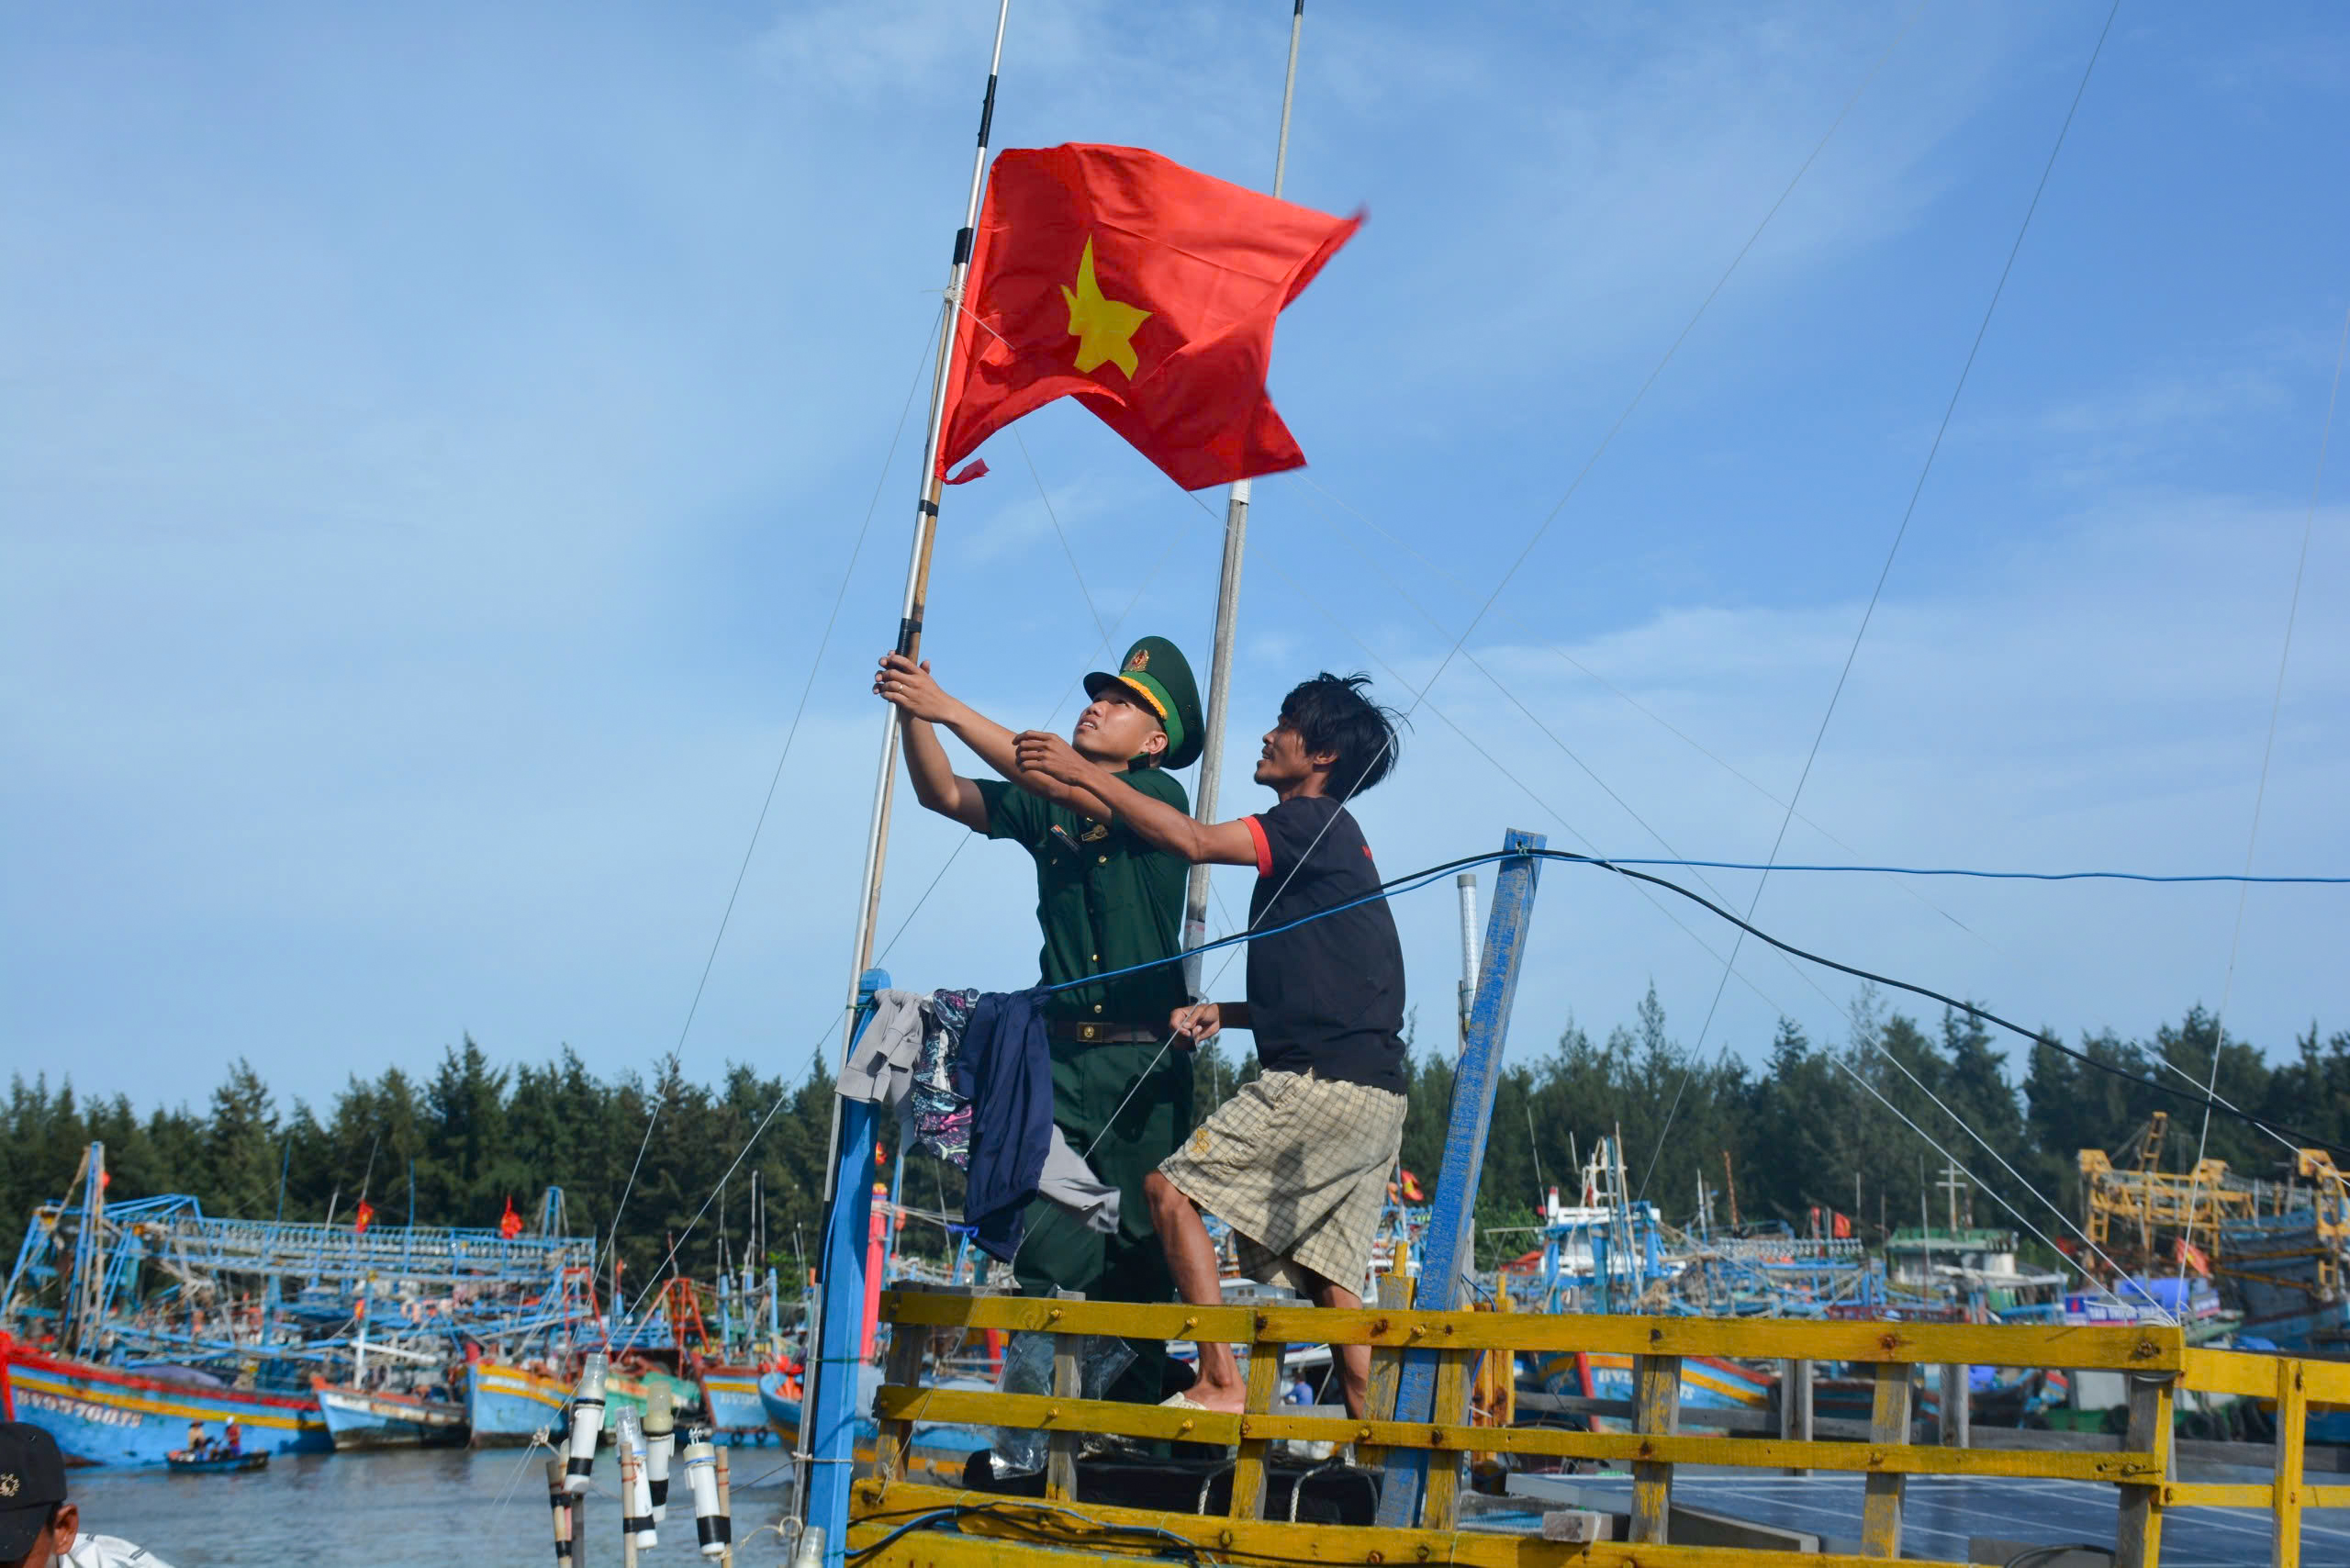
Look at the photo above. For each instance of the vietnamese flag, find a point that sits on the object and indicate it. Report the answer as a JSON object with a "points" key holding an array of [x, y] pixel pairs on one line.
{"points": [[509, 1224], [359, 1220], [1145, 291]]}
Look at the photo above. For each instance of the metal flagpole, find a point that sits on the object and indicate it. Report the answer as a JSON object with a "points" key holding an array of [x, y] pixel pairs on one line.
{"points": [[1228, 598], [877, 838], [840, 1294]]}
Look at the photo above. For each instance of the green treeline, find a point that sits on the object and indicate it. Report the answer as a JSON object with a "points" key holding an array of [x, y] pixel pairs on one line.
{"points": [[1799, 1126]]}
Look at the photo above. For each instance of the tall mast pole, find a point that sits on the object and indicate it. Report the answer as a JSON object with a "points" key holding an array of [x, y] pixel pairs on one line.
{"points": [[1227, 597], [876, 836]]}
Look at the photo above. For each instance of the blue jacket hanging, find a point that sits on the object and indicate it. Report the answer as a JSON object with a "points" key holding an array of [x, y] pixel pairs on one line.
{"points": [[1005, 1069]]}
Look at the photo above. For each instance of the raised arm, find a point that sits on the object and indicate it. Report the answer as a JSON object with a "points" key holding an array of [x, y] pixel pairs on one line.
{"points": [[1159, 823], [924, 702]]}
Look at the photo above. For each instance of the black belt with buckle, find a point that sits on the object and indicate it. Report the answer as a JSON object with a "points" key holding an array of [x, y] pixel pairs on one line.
{"points": [[1102, 1033]]}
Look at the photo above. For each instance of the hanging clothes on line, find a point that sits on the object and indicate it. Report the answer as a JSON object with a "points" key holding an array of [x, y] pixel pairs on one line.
{"points": [[969, 1074]]}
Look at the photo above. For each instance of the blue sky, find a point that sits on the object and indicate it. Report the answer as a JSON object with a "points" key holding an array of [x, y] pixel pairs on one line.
{"points": [[432, 441]]}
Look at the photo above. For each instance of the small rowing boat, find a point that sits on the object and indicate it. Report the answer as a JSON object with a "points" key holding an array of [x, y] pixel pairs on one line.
{"points": [[184, 1463]]}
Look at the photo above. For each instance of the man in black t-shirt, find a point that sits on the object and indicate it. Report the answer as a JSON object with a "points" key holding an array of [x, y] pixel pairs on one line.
{"points": [[1297, 1162]]}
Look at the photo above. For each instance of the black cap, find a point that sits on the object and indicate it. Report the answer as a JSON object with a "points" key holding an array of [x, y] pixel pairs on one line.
{"points": [[32, 1481]]}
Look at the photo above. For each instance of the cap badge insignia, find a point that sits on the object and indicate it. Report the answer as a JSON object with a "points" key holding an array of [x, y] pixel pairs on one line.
{"points": [[1138, 659], [7, 1485]]}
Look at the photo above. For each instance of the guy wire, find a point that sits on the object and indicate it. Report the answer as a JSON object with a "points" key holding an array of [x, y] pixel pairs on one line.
{"points": [[1909, 512]]}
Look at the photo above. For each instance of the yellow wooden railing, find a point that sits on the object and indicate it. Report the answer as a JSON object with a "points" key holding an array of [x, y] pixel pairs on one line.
{"points": [[996, 1532]]}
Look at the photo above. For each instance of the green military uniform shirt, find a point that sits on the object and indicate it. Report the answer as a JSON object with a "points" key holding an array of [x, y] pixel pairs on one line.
{"points": [[1105, 899]]}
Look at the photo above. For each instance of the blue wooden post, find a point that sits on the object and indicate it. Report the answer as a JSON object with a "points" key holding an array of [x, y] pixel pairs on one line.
{"points": [[831, 1417], [1447, 1239]]}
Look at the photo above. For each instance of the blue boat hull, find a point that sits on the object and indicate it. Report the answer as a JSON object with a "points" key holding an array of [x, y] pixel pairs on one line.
{"points": [[358, 1419], [102, 1414], [732, 1404], [937, 1443], [506, 1405]]}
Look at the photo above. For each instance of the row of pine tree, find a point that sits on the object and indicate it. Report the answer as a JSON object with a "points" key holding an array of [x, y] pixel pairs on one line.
{"points": [[1861, 1124]]}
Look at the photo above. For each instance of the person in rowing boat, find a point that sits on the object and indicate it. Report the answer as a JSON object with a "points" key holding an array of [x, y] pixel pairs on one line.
{"points": [[1106, 900], [38, 1526], [1297, 1162]]}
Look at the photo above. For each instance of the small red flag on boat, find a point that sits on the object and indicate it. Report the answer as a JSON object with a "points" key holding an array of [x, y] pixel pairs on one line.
{"points": [[1145, 290], [509, 1224], [359, 1220]]}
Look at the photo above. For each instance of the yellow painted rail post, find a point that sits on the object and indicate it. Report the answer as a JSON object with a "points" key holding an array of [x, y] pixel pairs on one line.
{"points": [[1656, 1412], [1795, 1406], [1069, 1383], [1386, 1367], [908, 1348], [2292, 1411], [1264, 1392], [1440, 1507], [2138, 1535], [1881, 1496]]}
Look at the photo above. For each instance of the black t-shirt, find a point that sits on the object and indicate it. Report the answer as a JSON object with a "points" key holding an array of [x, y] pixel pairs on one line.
{"points": [[1329, 995]]}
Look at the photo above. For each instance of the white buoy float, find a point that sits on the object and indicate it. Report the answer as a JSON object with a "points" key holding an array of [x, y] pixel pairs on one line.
{"points": [[587, 1423], [636, 1499], [660, 1443], [710, 1524]]}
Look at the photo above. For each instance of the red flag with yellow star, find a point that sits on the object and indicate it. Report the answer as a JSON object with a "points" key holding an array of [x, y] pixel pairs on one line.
{"points": [[1145, 291]]}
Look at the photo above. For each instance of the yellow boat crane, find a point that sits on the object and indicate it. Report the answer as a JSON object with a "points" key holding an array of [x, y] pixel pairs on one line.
{"points": [[2131, 1208]]}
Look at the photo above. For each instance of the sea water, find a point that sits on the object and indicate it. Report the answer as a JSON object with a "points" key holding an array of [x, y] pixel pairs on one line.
{"points": [[435, 1508]]}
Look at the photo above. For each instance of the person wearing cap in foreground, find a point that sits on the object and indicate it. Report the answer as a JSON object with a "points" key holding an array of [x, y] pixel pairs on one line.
{"points": [[1106, 900], [1297, 1162], [38, 1526]]}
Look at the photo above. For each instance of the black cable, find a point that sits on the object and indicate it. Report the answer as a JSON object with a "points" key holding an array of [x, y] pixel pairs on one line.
{"points": [[1002, 1513], [1412, 880], [2279, 1129]]}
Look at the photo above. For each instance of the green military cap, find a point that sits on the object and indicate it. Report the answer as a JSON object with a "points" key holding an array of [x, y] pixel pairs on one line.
{"points": [[1155, 670]]}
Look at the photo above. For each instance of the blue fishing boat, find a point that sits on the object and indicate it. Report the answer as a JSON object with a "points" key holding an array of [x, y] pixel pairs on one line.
{"points": [[940, 1447], [506, 1405], [107, 1414], [731, 1404], [381, 1418]]}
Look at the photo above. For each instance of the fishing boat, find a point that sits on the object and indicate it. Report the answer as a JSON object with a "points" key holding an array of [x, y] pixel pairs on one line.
{"points": [[733, 1405], [1707, 1383], [209, 1463], [387, 1419], [108, 1415], [507, 1403]]}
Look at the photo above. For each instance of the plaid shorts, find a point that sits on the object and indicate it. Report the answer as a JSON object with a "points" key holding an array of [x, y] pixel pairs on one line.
{"points": [[1298, 1166]]}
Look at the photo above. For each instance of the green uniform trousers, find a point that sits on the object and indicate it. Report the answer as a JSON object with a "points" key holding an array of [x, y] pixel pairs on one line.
{"points": [[1091, 1082]]}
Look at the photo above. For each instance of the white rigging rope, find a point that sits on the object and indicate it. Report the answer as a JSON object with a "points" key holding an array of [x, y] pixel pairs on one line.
{"points": [[2267, 752], [1924, 472]]}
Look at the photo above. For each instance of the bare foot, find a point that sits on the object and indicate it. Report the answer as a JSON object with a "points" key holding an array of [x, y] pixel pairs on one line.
{"points": [[1227, 1399]]}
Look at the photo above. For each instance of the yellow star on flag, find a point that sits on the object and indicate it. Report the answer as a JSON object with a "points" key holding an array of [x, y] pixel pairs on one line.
{"points": [[1102, 327]]}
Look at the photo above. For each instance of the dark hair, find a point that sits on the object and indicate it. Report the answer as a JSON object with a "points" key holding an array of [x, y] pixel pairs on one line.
{"points": [[1330, 713]]}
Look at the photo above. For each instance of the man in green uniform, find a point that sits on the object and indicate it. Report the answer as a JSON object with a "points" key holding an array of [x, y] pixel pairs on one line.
{"points": [[1105, 899]]}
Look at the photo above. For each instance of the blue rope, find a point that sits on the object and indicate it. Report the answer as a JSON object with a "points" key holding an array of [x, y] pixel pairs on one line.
{"points": [[1957, 871], [1414, 880]]}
